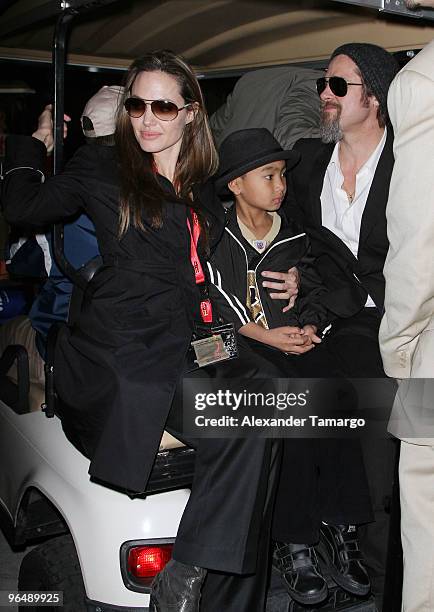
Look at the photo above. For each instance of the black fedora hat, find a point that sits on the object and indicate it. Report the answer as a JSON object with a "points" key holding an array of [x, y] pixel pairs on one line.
{"points": [[246, 150]]}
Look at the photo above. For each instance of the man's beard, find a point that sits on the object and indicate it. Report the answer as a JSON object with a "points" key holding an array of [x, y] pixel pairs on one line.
{"points": [[330, 129]]}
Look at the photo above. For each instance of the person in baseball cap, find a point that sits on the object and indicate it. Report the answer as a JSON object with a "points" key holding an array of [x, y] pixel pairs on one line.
{"points": [[52, 303], [98, 120]]}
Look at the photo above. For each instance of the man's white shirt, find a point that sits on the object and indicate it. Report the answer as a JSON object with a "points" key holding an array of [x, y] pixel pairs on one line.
{"points": [[339, 215]]}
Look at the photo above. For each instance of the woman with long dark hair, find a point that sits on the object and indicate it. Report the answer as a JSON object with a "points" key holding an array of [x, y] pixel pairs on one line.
{"points": [[119, 367]]}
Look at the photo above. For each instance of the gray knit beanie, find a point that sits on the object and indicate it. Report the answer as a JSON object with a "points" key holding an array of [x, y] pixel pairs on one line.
{"points": [[377, 66]]}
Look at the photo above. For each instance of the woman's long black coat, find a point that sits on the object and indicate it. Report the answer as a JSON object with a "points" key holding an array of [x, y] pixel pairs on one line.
{"points": [[118, 368]]}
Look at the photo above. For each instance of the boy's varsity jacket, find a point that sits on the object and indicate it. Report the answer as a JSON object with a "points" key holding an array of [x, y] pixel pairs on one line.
{"points": [[234, 257]]}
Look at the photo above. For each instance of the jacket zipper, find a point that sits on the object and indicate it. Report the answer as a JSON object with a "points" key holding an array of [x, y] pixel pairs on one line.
{"points": [[260, 261]]}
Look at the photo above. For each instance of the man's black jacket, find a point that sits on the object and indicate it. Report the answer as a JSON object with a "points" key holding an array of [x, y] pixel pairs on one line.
{"points": [[348, 279]]}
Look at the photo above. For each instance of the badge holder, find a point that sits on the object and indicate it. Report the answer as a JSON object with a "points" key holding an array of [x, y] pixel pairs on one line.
{"points": [[212, 344]]}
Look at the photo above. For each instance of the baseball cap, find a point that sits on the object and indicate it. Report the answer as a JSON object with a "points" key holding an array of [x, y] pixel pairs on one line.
{"points": [[100, 112]]}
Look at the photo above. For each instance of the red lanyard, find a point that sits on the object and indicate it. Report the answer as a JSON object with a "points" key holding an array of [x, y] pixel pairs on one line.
{"points": [[194, 239], [205, 305]]}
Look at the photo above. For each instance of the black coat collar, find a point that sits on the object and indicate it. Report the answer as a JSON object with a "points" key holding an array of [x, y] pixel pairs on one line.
{"points": [[318, 173], [378, 193]]}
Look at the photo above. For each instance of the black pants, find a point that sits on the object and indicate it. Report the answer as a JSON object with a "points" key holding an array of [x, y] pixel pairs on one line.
{"points": [[226, 525], [320, 479], [247, 593], [354, 344]]}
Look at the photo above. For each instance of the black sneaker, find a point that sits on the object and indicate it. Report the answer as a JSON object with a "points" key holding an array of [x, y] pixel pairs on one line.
{"points": [[339, 548], [298, 567]]}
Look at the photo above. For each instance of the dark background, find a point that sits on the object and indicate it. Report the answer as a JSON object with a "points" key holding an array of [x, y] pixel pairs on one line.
{"points": [[21, 110]]}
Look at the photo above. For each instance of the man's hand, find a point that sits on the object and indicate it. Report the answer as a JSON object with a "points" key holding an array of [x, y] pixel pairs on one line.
{"points": [[310, 330], [45, 129], [291, 340], [287, 285]]}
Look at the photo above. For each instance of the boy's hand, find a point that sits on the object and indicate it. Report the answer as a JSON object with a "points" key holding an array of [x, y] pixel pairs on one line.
{"points": [[310, 330], [289, 339], [45, 129], [287, 285]]}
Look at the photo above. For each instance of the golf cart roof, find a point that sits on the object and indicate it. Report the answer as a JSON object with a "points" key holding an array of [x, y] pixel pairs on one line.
{"points": [[214, 35]]}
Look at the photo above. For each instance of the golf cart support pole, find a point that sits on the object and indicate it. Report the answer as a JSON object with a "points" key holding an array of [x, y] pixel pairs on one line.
{"points": [[69, 11], [59, 56]]}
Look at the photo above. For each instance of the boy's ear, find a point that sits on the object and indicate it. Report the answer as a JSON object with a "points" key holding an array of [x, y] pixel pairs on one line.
{"points": [[235, 186]]}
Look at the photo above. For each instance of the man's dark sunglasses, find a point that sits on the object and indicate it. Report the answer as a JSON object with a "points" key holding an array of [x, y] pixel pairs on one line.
{"points": [[162, 109], [338, 85]]}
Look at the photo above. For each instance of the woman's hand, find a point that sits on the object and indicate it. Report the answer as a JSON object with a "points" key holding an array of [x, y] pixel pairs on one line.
{"points": [[287, 285], [289, 339], [45, 129]]}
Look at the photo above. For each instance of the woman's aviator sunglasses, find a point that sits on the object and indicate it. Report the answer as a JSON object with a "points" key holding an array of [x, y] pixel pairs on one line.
{"points": [[337, 84], [162, 109]]}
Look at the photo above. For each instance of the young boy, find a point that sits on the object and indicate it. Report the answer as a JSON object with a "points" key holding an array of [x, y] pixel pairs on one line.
{"points": [[259, 237], [326, 476]]}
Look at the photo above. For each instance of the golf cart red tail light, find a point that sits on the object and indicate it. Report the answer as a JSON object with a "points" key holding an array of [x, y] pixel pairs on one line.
{"points": [[144, 562]]}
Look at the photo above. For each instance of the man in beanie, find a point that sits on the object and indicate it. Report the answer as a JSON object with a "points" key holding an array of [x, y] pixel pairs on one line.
{"points": [[80, 245], [407, 328], [339, 193]]}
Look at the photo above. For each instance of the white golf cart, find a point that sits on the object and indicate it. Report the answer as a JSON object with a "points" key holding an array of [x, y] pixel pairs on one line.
{"points": [[100, 547]]}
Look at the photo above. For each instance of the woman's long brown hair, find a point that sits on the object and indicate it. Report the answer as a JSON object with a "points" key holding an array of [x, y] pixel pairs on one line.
{"points": [[141, 196]]}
